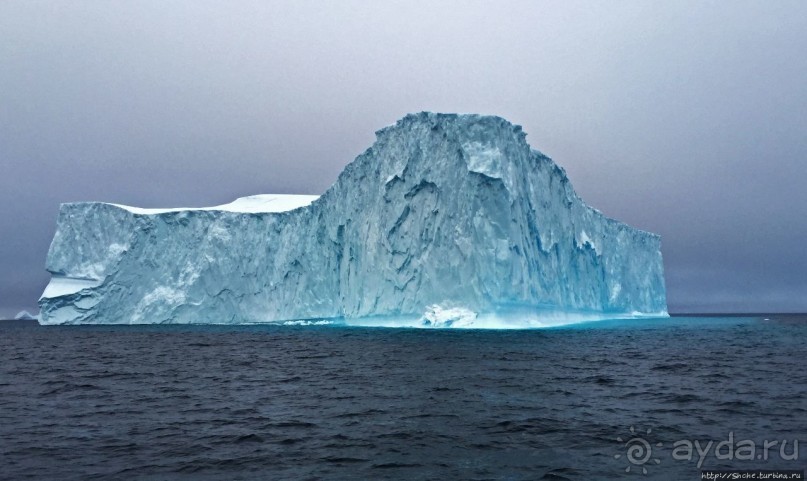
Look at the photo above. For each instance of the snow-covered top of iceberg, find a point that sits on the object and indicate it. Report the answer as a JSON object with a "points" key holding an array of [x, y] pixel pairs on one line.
{"points": [[253, 204]]}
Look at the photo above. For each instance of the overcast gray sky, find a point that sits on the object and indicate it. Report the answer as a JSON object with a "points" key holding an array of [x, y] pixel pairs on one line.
{"points": [[688, 119]]}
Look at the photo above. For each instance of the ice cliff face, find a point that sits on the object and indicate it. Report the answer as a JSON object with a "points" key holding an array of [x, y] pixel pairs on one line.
{"points": [[445, 220]]}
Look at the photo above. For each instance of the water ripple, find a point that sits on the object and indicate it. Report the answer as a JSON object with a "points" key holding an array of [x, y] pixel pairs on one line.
{"points": [[304, 402]]}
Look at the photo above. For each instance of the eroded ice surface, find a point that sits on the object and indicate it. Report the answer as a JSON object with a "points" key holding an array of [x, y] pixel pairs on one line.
{"points": [[446, 221]]}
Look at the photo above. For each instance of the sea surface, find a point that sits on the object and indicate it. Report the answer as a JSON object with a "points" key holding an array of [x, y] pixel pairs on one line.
{"points": [[335, 402]]}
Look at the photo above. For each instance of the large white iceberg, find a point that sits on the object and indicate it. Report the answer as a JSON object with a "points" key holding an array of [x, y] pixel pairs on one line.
{"points": [[447, 220]]}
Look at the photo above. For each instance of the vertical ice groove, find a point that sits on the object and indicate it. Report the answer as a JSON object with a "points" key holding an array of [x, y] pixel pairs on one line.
{"points": [[446, 220]]}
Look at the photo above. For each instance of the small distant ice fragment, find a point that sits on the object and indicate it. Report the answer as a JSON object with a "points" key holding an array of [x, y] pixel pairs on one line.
{"points": [[25, 316]]}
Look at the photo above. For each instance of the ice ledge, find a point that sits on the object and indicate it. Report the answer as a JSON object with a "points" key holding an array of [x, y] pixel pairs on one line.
{"points": [[60, 286], [253, 204], [437, 317]]}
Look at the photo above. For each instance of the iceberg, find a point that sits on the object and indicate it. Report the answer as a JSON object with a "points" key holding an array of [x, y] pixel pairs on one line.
{"points": [[445, 221]]}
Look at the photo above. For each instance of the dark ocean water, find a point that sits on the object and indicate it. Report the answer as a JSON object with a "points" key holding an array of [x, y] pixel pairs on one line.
{"points": [[263, 402]]}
